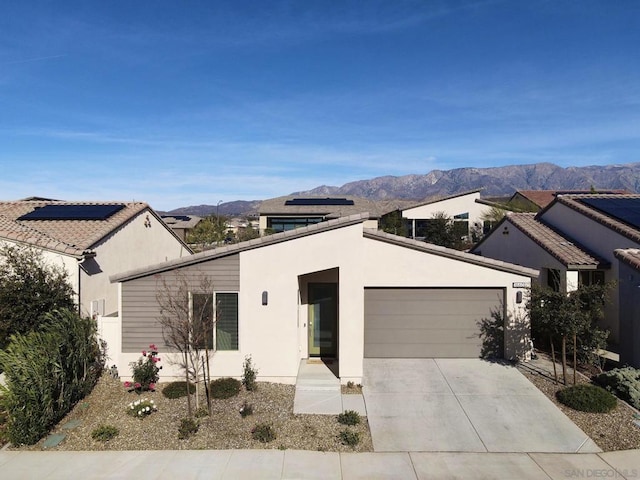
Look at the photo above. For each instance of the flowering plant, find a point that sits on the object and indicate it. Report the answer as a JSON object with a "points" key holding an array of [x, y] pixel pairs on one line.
{"points": [[145, 371], [141, 408]]}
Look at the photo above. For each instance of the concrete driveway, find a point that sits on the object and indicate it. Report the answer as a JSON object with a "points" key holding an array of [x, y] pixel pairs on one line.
{"points": [[462, 405]]}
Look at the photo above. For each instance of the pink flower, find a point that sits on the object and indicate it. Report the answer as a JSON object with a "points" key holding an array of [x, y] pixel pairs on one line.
{"points": [[144, 353], [152, 386], [127, 384], [155, 359], [137, 385], [153, 347]]}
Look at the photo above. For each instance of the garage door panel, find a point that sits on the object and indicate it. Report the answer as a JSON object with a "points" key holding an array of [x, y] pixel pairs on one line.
{"points": [[422, 336], [429, 322], [417, 321], [441, 350]]}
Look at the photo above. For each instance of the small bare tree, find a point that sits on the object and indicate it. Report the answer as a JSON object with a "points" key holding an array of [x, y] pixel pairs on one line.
{"points": [[187, 320]]}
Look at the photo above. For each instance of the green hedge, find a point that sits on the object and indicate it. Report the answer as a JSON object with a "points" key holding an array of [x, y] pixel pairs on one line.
{"points": [[622, 382], [587, 398], [47, 373]]}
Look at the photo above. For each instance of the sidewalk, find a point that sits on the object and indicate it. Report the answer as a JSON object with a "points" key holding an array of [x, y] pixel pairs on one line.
{"points": [[296, 464]]}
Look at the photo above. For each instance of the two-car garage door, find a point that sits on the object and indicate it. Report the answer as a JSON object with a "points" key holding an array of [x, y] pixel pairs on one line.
{"points": [[427, 322]]}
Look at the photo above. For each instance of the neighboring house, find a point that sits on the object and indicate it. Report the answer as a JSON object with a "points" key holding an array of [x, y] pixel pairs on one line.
{"points": [[629, 286], [463, 209], [536, 200], [572, 241], [91, 240], [181, 224], [337, 290], [291, 212]]}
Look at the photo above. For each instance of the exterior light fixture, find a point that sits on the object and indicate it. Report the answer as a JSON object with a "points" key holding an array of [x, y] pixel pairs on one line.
{"points": [[265, 297]]}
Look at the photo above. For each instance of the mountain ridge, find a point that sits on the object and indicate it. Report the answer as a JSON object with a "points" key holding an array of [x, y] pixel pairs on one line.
{"points": [[493, 181]]}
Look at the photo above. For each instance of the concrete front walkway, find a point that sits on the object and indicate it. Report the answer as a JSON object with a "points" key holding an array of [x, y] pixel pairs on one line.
{"points": [[294, 464], [318, 391], [463, 405]]}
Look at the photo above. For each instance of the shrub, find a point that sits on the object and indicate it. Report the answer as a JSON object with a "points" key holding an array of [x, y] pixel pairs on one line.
{"points": [[145, 371], [178, 389], [349, 417], [47, 373], [246, 409], [104, 433], [224, 387], [141, 408], [622, 382], [249, 375], [202, 412], [187, 428], [587, 398], [347, 437], [263, 432]]}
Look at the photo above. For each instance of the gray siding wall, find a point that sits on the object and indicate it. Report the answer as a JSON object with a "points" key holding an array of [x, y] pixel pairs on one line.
{"points": [[140, 309], [629, 316]]}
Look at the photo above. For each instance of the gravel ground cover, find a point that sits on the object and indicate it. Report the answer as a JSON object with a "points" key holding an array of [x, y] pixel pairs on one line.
{"points": [[610, 431], [224, 429]]}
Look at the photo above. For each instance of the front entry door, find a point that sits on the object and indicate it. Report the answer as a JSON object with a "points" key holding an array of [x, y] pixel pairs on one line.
{"points": [[323, 319]]}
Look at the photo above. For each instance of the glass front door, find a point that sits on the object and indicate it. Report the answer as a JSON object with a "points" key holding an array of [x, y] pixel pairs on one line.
{"points": [[323, 319]]}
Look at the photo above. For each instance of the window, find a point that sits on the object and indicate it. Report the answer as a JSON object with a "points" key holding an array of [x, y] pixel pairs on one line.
{"points": [[227, 324], [591, 277], [225, 336], [202, 318], [553, 279], [281, 224]]}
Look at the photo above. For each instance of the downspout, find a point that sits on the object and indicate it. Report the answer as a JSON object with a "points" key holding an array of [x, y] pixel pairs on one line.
{"points": [[79, 282]]}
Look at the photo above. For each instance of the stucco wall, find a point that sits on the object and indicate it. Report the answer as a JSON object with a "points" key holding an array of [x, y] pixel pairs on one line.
{"points": [[134, 245], [518, 248], [450, 206]]}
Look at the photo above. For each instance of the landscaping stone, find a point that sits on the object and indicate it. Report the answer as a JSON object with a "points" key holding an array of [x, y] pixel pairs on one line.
{"points": [[53, 440]]}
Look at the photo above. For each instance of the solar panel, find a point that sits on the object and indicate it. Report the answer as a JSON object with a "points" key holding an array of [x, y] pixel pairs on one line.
{"points": [[319, 201], [626, 210], [72, 212]]}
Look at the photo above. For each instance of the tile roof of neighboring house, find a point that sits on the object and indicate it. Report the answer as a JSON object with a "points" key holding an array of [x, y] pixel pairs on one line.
{"points": [[562, 248], [542, 198], [440, 199], [376, 208], [311, 230], [70, 237], [630, 256], [181, 221], [573, 202]]}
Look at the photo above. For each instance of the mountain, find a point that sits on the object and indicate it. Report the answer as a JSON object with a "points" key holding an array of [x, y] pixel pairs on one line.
{"points": [[230, 209], [494, 182]]}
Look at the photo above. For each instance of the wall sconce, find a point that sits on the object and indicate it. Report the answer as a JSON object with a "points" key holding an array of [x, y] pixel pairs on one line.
{"points": [[519, 297], [265, 297]]}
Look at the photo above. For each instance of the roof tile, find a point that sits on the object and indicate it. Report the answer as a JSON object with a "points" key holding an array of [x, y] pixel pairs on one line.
{"points": [[71, 237], [564, 249]]}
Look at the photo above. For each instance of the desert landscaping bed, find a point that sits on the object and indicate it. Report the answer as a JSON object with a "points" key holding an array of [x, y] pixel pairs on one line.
{"points": [[224, 429], [610, 431]]}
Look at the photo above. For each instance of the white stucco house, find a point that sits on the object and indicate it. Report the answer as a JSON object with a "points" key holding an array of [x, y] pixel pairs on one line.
{"points": [[335, 289], [573, 241], [91, 240], [463, 208]]}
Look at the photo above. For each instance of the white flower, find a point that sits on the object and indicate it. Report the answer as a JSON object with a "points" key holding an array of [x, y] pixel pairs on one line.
{"points": [[147, 409], [139, 412]]}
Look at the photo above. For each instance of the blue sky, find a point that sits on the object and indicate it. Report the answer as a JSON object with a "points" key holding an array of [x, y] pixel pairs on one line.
{"points": [[185, 103]]}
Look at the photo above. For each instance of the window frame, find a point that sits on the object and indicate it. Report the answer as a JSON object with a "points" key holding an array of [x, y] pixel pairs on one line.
{"points": [[214, 318]]}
